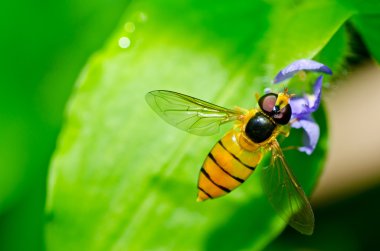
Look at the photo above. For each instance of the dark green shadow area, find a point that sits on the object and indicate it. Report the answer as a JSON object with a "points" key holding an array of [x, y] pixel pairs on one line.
{"points": [[351, 224]]}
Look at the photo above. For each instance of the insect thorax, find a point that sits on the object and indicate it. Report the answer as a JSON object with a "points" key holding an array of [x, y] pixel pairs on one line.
{"points": [[259, 128]]}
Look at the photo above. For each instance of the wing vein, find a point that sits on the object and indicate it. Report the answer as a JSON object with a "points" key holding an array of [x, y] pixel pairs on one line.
{"points": [[188, 113]]}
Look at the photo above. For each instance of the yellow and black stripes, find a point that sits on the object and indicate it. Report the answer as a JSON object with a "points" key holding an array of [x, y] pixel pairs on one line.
{"points": [[235, 157], [203, 192], [240, 180], [226, 167], [212, 181]]}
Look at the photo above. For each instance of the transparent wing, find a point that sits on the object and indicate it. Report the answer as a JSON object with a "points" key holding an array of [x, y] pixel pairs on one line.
{"points": [[189, 114], [285, 194]]}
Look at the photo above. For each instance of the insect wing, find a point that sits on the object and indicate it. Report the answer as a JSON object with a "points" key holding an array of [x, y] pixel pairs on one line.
{"points": [[189, 114], [285, 194]]}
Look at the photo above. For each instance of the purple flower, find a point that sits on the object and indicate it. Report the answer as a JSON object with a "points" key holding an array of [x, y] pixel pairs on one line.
{"points": [[303, 107], [301, 65]]}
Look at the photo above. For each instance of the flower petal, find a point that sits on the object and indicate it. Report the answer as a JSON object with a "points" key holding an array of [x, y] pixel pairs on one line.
{"points": [[303, 107], [312, 134], [299, 106], [314, 104], [301, 65]]}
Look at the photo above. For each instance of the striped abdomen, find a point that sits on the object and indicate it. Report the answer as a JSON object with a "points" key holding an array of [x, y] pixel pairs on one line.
{"points": [[226, 167]]}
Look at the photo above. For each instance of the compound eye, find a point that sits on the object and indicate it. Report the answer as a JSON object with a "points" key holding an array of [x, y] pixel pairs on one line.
{"points": [[267, 102], [283, 116]]}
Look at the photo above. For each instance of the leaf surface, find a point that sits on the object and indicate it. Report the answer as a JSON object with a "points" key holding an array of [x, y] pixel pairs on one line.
{"points": [[122, 179]]}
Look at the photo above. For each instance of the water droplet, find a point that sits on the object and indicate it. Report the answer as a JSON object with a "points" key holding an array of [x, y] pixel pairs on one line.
{"points": [[124, 42], [129, 27]]}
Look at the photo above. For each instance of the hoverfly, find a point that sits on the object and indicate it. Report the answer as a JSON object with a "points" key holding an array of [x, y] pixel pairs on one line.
{"points": [[235, 156]]}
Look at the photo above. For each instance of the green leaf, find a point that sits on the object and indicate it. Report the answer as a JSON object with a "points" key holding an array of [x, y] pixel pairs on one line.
{"points": [[123, 179], [361, 7], [368, 27], [335, 51], [366, 20], [43, 48]]}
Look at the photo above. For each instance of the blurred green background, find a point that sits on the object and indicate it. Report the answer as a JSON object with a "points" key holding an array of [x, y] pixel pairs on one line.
{"points": [[45, 46]]}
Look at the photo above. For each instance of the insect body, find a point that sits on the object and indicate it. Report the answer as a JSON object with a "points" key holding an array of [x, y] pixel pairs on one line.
{"points": [[226, 167], [234, 157]]}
